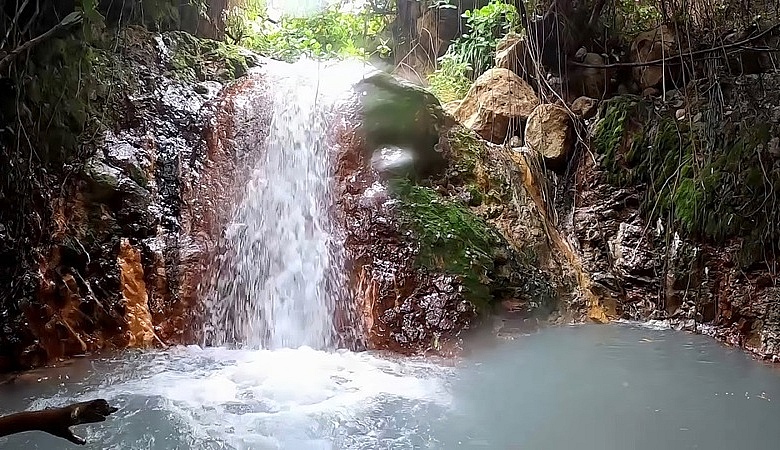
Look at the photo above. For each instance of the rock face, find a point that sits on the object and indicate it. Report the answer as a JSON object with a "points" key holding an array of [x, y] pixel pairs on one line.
{"points": [[550, 132], [430, 255], [685, 252], [497, 105], [126, 234]]}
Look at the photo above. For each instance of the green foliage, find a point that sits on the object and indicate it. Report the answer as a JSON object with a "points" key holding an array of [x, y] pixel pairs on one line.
{"points": [[196, 59], [72, 91], [635, 16], [452, 239], [718, 193], [330, 33], [450, 81], [486, 26]]}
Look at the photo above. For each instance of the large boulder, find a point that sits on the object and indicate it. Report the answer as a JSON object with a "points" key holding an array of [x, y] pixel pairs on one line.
{"points": [[399, 114], [550, 132], [497, 101]]}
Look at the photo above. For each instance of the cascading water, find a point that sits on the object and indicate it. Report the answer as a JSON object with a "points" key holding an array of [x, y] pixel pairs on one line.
{"points": [[279, 281]]}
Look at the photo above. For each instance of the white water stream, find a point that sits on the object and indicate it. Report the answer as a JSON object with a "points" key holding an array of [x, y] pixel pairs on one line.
{"points": [[282, 274]]}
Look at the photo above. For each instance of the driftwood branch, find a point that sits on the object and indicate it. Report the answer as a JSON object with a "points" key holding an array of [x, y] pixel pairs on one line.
{"points": [[675, 58], [69, 20], [57, 421]]}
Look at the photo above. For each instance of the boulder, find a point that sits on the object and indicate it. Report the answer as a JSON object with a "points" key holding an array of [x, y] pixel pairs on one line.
{"points": [[585, 107], [400, 114], [650, 46], [511, 54], [550, 132], [497, 100]]}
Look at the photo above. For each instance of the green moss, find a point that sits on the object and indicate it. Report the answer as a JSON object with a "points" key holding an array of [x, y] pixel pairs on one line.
{"points": [[716, 191], [610, 131], [468, 151], [195, 59], [452, 239], [73, 91]]}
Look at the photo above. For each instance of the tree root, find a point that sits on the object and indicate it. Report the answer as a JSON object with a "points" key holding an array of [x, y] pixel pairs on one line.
{"points": [[57, 421]]}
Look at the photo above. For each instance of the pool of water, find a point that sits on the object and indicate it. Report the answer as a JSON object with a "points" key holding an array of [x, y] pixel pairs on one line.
{"points": [[580, 387]]}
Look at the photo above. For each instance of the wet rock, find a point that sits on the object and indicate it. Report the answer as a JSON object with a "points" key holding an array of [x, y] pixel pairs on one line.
{"points": [[108, 182], [400, 114], [648, 267], [104, 178], [165, 175], [550, 132], [429, 260], [140, 332], [131, 160], [498, 102]]}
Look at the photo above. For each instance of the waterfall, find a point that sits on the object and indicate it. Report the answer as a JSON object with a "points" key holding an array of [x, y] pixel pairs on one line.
{"points": [[282, 274]]}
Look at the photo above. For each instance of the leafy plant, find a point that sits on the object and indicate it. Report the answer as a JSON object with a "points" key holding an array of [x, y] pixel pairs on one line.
{"points": [[635, 16], [486, 25], [450, 81], [327, 34]]}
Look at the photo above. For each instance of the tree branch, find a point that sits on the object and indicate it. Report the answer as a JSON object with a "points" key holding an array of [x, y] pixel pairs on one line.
{"points": [[69, 20], [57, 421], [672, 59]]}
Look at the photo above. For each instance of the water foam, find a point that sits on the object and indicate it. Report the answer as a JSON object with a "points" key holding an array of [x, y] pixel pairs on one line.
{"points": [[288, 398]]}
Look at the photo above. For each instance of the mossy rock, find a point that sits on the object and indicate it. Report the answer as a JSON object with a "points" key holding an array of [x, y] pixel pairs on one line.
{"points": [[193, 59], [712, 189], [396, 113], [451, 239], [454, 236]]}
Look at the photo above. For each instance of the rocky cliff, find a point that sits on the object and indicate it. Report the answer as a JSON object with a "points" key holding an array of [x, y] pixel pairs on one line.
{"points": [[123, 156]]}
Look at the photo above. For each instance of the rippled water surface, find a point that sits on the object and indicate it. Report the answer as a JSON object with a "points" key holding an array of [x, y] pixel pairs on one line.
{"points": [[585, 387]]}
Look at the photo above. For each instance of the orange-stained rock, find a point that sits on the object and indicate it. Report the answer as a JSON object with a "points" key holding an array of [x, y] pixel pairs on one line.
{"points": [[140, 330]]}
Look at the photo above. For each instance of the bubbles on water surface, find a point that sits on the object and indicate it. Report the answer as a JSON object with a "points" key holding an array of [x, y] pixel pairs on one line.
{"points": [[286, 398]]}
